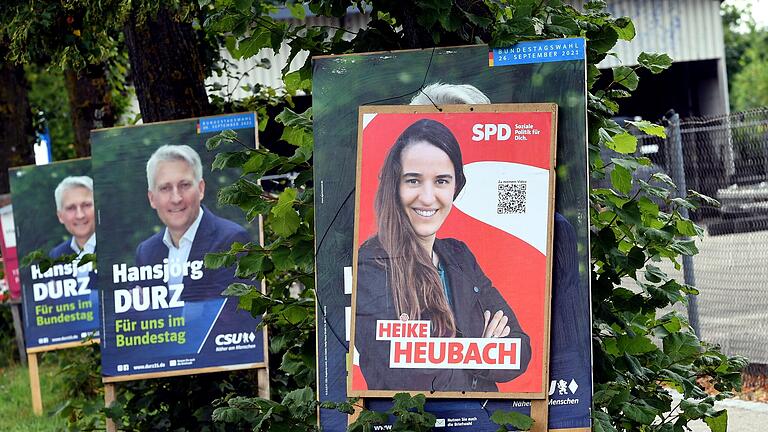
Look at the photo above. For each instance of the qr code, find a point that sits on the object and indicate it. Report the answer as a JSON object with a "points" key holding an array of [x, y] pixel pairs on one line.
{"points": [[512, 196]]}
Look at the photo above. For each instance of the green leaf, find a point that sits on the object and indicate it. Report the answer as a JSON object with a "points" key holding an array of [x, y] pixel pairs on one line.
{"points": [[684, 247], [251, 45], [449, 21], [281, 258], [298, 80], [621, 179], [293, 363], [626, 77], [719, 422], [303, 153], [231, 43], [224, 22], [648, 208], [601, 40], [686, 228], [229, 160], [701, 199], [512, 418], [654, 274], [284, 219], [87, 258], [238, 289], [250, 264], [602, 397], [33, 257], [635, 345], [624, 28], [256, 302], [640, 412], [259, 163], [655, 63], [624, 142], [673, 325], [295, 314], [595, 5], [299, 137], [226, 136], [478, 20], [681, 346], [297, 10], [603, 422], [291, 119], [593, 73], [217, 260], [663, 178], [649, 128]]}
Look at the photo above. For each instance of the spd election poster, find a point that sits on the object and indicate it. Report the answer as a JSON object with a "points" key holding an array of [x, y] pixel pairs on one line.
{"points": [[551, 71], [434, 308], [163, 309], [53, 211]]}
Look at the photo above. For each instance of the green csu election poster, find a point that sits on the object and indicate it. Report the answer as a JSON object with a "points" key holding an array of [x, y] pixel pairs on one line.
{"points": [[550, 71], [53, 210], [163, 309]]}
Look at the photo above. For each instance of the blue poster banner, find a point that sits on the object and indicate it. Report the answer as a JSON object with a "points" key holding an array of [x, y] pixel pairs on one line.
{"points": [[163, 309], [449, 76], [53, 209], [546, 51], [232, 121]]}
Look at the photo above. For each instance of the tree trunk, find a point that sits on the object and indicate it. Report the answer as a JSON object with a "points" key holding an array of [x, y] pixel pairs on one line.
{"points": [[166, 68], [90, 104], [16, 133]]}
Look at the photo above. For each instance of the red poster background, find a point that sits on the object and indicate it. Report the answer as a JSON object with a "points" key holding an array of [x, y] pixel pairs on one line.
{"points": [[10, 266], [516, 269]]}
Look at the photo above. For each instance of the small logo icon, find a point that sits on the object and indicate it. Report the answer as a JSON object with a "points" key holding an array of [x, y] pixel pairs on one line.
{"points": [[235, 338]]}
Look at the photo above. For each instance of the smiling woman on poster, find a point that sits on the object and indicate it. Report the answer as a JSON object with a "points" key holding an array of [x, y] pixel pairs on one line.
{"points": [[406, 273]]}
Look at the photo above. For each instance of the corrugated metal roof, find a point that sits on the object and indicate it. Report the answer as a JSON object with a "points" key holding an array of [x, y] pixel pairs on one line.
{"points": [[249, 71], [233, 86], [686, 30]]}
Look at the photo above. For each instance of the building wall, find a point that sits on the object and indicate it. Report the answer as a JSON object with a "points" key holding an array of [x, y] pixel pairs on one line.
{"points": [[232, 86], [686, 30]]}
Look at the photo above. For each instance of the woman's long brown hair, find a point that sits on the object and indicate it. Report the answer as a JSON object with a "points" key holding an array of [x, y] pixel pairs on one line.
{"points": [[415, 283]]}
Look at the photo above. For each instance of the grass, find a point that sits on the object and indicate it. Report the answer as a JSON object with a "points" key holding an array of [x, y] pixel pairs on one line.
{"points": [[16, 400]]}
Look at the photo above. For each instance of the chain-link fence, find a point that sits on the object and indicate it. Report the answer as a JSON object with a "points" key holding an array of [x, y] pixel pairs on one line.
{"points": [[725, 157]]}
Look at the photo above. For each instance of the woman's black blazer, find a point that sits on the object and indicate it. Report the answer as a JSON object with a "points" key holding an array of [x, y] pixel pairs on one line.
{"points": [[472, 293]]}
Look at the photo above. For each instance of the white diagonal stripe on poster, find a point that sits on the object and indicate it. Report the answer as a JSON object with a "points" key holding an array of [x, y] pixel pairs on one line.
{"points": [[368, 118], [479, 199]]}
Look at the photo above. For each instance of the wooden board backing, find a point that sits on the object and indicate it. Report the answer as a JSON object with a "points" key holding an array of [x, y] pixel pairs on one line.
{"points": [[65, 345]]}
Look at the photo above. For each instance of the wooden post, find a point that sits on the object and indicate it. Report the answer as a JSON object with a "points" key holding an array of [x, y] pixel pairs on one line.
{"points": [[34, 383], [18, 329], [109, 397], [262, 381], [358, 409], [540, 415]]}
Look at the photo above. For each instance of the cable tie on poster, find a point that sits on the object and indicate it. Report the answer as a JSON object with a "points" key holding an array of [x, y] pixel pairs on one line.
{"points": [[421, 87], [430, 99]]}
